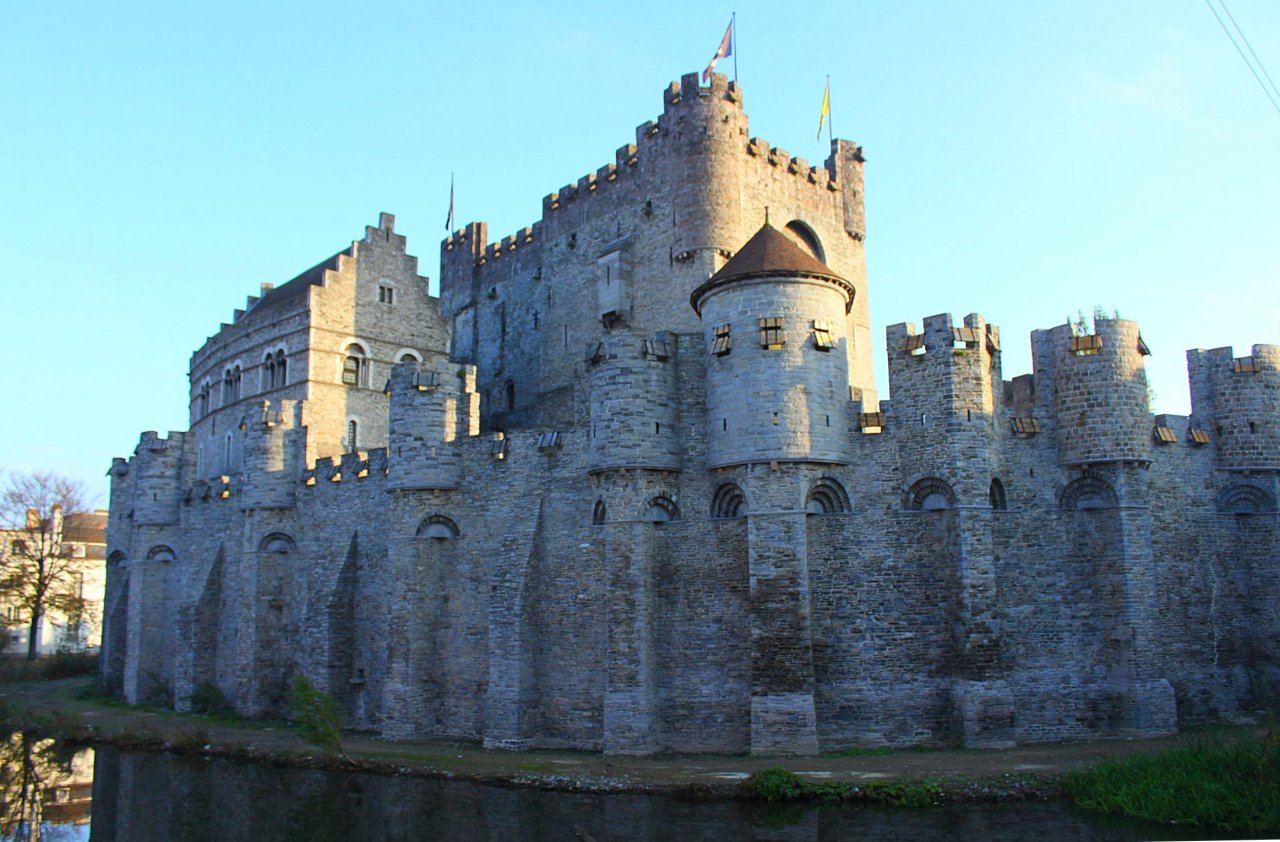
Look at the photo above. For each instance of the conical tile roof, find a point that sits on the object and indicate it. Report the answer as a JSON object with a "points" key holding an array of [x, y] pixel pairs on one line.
{"points": [[769, 253]]}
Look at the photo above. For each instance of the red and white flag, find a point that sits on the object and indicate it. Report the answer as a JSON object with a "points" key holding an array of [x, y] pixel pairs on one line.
{"points": [[725, 50]]}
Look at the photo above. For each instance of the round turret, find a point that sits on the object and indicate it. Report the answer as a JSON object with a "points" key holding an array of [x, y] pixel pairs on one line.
{"points": [[1100, 393], [778, 371], [1237, 400], [634, 402]]}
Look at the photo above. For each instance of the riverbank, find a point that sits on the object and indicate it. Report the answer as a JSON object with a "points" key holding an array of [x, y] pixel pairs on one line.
{"points": [[950, 775]]}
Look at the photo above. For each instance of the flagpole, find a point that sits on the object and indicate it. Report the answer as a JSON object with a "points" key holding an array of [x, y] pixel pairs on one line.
{"points": [[734, 20], [830, 131]]}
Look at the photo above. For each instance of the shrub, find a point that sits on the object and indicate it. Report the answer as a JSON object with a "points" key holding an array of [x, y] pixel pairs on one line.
{"points": [[316, 716], [776, 784], [208, 700]]}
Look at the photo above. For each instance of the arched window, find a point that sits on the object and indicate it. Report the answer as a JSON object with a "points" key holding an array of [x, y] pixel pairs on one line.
{"points": [[930, 494], [511, 395], [268, 374], [598, 513], [116, 559], [438, 527], [282, 369], [803, 236], [160, 553], [1088, 493], [408, 356], [1243, 499], [352, 441], [226, 387], [202, 400], [662, 509], [355, 367], [826, 497], [996, 495], [728, 501], [235, 383], [278, 543]]}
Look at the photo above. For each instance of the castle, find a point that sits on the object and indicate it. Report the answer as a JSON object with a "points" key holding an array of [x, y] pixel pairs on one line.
{"points": [[625, 485]]}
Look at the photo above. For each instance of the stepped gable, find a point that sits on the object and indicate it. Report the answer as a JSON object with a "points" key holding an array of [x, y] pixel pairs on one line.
{"points": [[770, 253], [289, 290]]}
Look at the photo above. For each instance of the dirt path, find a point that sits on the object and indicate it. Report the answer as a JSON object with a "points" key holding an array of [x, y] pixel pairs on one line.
{"points": [[999, 773]]}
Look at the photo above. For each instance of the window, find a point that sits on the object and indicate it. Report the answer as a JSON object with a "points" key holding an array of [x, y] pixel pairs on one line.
{"points": [[386, 294], [353, 435], [721, 344], [772, 336], [355, 367], [511, 396], [268, 374], [409, 357], [202, 401], [282, 368], [823, 339]]}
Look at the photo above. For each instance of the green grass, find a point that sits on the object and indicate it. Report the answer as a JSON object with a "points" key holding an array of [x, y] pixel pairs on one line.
{"points": [[1210, 784]]}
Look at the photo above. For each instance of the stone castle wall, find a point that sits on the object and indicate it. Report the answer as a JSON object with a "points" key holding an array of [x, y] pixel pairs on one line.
{"points": [[570, 522]]}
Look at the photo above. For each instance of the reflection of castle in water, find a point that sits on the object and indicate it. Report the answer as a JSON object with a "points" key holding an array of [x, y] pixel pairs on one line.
{"points": [[43, 783], [162, 798]]}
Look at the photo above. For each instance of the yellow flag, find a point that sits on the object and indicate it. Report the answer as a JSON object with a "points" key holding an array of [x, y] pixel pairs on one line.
{"points": [[826, 108]]}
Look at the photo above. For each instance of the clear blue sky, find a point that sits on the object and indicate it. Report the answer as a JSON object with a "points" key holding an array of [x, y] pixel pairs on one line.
{"points": [[1026, 161]]}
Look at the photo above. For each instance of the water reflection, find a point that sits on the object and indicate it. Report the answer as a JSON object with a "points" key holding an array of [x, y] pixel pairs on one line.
{"points": [[45, 789], [137, 796]]}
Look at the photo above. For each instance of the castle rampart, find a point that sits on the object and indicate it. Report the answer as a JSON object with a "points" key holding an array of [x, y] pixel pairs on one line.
{"points": [[553, 507]]}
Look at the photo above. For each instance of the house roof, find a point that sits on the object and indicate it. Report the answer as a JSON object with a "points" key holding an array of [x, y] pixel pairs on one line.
{"points": [[294, 287]]}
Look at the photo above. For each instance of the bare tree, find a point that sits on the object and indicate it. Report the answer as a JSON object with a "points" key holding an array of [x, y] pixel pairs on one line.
{"points": [[37, 573]]}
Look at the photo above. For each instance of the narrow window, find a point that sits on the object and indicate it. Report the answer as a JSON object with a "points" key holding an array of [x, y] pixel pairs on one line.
{"points": [[386, 295], [772, 336], [282, 367], [823, 339], [724, 424], [721, 344], [353, 435], [511, 395]]}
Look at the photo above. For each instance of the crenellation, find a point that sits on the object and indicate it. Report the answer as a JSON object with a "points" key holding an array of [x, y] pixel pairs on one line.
{"points": [[649, 418]]}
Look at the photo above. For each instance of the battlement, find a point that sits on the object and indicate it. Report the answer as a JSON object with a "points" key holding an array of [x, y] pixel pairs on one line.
{"points": [[1238, 400], [1098, 386], [471, 243], [947, 375]]}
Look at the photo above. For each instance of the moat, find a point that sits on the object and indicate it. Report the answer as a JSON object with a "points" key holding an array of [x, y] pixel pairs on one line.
{"points": [[102, 793]]}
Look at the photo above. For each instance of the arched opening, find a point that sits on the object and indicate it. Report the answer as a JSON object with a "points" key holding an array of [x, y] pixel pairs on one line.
{"points": [[803, 236], [728, 501], [277, 543], [826, 496], [355, 366], [1244, 499], [598, 513], [1087, 493], [160, 553], [438, 527], [282, 368], [661, 509], [409, 357], [267, 378], [930, 495], [996, 496]]}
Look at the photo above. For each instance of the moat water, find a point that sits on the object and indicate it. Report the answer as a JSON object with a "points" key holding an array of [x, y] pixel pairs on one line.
{"points": [[56, 792]]}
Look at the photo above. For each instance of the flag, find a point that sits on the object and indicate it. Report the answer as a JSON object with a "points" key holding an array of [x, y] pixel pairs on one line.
{"points": [[826, 108], [724, 51], [448, 222]]}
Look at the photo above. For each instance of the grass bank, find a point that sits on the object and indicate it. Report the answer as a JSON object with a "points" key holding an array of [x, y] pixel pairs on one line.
{"points": [[1212, 783]]}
